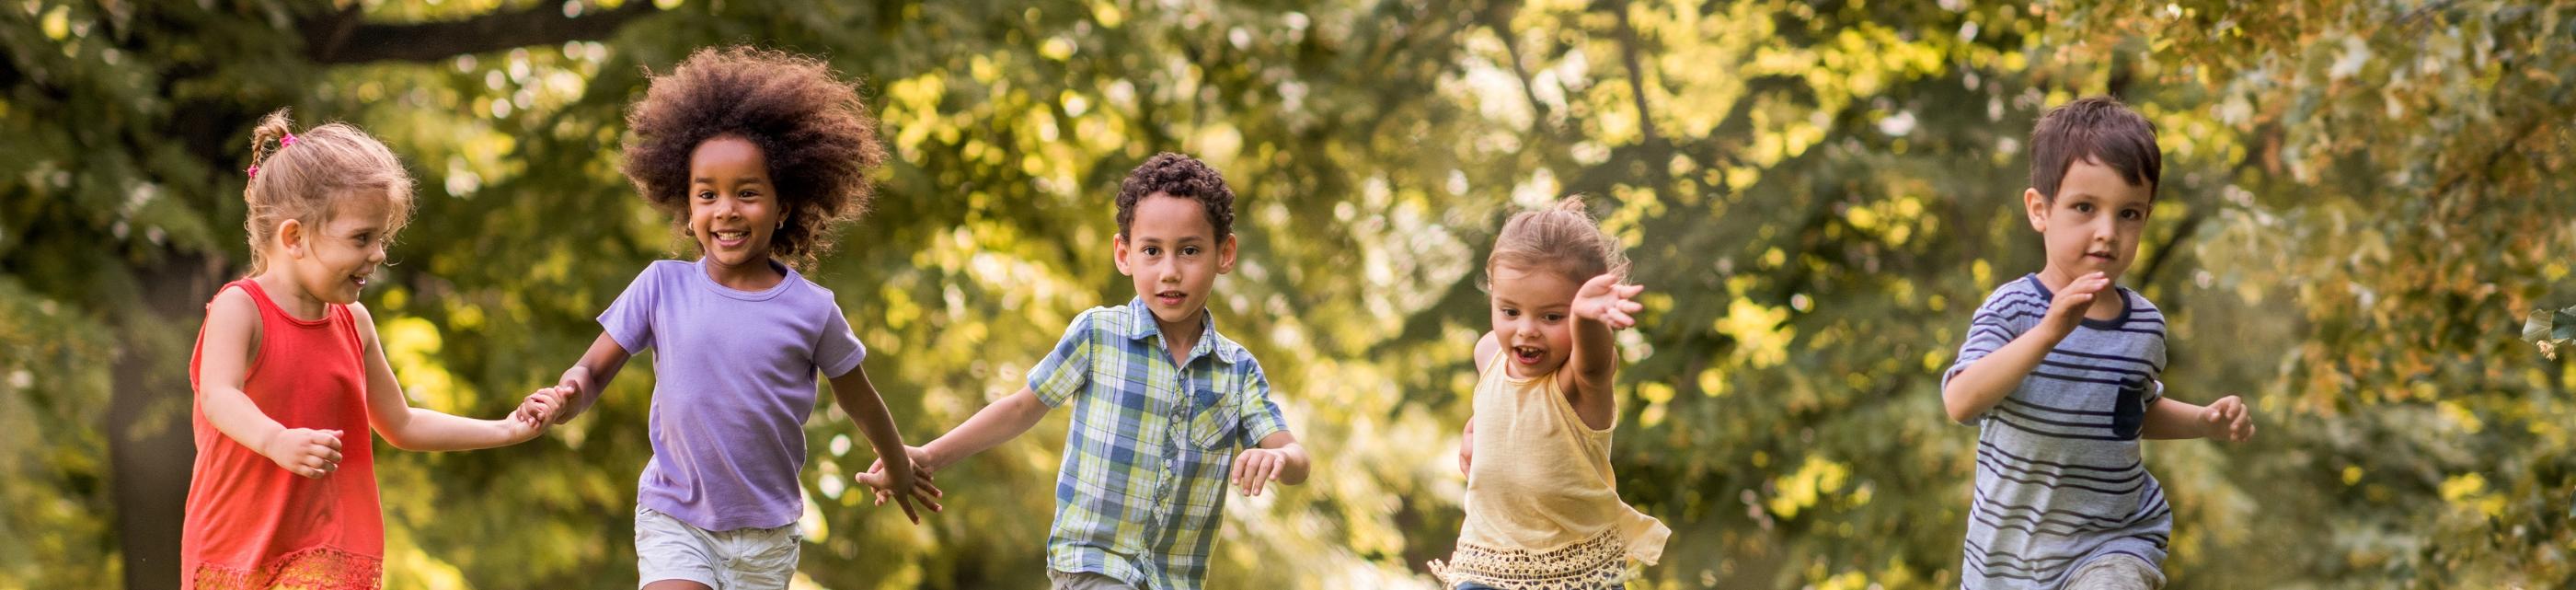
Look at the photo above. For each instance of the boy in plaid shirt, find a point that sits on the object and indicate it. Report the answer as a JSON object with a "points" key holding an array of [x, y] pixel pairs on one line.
{"points": [[1166, 412]]}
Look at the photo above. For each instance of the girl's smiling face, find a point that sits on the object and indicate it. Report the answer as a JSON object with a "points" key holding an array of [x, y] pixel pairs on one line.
{"points": [[332, 260], [1533, 318], [733, 209]]}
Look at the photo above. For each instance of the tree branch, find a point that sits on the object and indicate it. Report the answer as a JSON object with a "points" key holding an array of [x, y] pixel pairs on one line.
{"points": [[345, 37], [1636, 74]]}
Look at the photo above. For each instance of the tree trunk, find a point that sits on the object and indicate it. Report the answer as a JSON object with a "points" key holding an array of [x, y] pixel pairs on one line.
{"points": [[149, 443]]}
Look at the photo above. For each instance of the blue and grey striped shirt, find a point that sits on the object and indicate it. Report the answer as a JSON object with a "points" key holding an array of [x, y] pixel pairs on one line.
{"points": [[2059, 477]]}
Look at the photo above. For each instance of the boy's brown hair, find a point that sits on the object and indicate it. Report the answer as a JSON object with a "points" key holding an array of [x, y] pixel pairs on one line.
{"points": [[2099, 129], [1179, 176]]}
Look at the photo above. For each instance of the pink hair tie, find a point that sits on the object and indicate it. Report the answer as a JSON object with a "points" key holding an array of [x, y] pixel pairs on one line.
{"points": [[281, 144]]}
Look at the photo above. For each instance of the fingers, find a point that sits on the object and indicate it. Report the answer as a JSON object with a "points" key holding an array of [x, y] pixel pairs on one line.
{"points": [[908, 511], [1268, 475], [928, 499]]}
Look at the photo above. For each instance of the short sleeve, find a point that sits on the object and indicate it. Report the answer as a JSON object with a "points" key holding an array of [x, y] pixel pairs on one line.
{"points": [[1067, 369], [837, 350], [1994, 325], [1261, 416], [630, 319]]}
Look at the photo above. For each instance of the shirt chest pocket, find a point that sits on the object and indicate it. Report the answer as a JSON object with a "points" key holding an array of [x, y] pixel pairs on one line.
{"points": [[1214, 429]]}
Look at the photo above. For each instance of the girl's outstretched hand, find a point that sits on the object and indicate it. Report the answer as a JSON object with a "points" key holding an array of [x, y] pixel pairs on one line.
{"points": [[1604, 300]]}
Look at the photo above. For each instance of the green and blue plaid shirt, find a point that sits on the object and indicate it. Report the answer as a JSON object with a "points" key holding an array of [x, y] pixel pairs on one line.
{"points": [[1145, 462]]}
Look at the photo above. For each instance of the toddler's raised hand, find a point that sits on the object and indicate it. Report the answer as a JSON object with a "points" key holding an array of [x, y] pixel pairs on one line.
{"points": [[1604, 300]]}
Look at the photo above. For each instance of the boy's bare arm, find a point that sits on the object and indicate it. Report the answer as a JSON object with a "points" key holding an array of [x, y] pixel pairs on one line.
{"points": [[2225, 420], [1003, 420], [1984, 383]]}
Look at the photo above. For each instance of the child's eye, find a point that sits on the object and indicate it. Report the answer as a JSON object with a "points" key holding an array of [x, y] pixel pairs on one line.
{"points": [[749, 195], [1554, 317], [2083, 207], [1153, 250], [1512, 313], [2132, 214], [706, 195], [1189, 250]]}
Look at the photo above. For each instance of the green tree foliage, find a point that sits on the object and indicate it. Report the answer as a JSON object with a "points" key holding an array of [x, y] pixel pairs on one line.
{"points": [[2361, 201]]}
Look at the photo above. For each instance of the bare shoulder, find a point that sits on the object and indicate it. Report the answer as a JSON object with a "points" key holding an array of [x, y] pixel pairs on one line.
{"points": [[1486, 348], [366, 323]]}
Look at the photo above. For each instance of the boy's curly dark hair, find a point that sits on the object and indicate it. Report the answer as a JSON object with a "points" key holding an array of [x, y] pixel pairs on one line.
{"points": [[1180, 176], [819, 140]]}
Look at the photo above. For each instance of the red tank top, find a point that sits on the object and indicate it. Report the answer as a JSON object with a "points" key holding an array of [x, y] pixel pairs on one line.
{"points": [[253, 524]]}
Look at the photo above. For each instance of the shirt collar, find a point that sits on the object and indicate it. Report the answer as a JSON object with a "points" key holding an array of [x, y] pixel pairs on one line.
{"points": [[1141, 325]]}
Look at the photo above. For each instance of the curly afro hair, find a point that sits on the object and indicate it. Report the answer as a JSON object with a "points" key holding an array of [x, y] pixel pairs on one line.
{"points": [[820, 141], [1180, 176]]}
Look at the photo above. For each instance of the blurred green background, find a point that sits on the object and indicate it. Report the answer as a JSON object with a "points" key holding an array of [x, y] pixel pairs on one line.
{"points": [[2362, 202]]}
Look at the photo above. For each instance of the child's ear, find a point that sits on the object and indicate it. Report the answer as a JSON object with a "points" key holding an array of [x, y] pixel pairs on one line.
{"points": [[1225, 255], [2036, 205], [1119, 253], [291, 234]]}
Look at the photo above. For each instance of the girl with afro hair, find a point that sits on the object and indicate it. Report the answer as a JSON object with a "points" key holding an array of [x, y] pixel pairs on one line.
{"points": [[757, 156]]}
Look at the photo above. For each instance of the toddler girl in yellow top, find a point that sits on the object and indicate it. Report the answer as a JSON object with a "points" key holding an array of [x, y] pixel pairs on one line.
{"points": [[1543, 510]]}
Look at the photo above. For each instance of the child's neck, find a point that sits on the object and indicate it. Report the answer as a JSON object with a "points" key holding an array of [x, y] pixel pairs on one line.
{"points": [[290, 296], [756, 275], [2106, 305], [1183, 335]]}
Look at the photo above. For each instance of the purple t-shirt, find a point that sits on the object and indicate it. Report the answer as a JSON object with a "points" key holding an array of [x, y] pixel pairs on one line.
{"points": [[733, 382]]}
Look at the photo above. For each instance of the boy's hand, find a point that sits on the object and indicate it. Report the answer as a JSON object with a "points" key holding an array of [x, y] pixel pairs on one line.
{"points": [[1604, 300], [923, 487], [304, 451], [2228, 420], [2067, 310], [1256, 468]]}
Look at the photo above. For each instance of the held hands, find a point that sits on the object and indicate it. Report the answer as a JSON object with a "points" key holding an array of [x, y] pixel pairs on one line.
{"points": [[535, 413], [573, 387], [917, 480], [1604, 300], [2067, 310], [304, 451], [2228, 420], [1256, 468]]}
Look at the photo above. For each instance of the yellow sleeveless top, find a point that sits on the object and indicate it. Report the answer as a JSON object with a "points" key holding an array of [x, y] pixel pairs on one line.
{"points": [[1542, 508]]}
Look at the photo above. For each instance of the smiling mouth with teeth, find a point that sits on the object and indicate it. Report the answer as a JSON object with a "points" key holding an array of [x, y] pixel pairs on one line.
{"points": [[1528, 354]]}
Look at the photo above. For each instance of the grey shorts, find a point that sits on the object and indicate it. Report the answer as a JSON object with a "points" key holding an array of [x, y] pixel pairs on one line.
{"points": [[1057, 580], [741, 559], [2117, 571]]}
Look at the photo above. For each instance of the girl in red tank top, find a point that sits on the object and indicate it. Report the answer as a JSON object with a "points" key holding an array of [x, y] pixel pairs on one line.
{"points": [[290, 378]]}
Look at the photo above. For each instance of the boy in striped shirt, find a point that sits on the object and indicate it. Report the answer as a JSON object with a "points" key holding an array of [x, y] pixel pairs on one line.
{"points": [[2060, 371]]}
